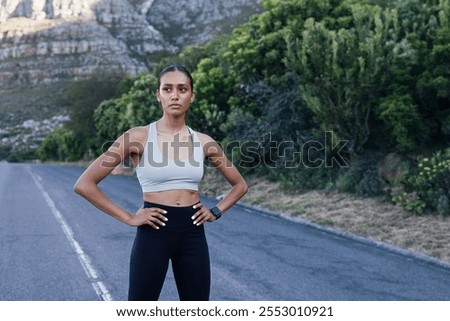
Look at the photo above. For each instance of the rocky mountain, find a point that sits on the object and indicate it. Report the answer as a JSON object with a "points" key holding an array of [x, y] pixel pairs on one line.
{"points": [[47, 43], [48, 40]]}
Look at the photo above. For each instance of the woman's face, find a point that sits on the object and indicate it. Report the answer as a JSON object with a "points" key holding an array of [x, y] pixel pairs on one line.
{"points": [[175, 93]]}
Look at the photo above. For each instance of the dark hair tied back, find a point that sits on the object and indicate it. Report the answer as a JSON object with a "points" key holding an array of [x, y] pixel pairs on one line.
{"points": [[176, 67]]}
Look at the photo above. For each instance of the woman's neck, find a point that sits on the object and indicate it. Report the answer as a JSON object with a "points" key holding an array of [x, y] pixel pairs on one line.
{"points": [[172, 125]]}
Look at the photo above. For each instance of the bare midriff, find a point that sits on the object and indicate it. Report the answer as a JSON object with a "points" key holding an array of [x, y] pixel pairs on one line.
{"points": [[173, 197]]}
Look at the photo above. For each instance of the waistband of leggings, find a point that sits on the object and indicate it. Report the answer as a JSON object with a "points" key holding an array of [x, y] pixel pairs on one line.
{"points": [[179, 217], [168, 207]]}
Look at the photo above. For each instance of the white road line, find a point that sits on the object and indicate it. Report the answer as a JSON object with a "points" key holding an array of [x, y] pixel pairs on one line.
{"points": [[85, 261]]}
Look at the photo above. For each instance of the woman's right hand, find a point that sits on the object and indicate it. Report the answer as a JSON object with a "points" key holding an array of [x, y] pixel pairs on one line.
{"points": [[153, 216]]}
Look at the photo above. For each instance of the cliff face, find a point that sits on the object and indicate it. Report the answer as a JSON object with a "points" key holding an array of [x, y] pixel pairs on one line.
{"points": [[186, 22], [45, 44], [42, 41]]}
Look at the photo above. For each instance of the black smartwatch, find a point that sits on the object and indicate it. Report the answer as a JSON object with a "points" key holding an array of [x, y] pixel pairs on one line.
{"points": [[216, 212]]}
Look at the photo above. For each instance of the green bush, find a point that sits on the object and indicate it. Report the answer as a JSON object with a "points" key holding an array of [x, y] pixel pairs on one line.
{"points": [[362, 178], [137, 107], [82, 99], [5, 151], [60, 145], [304, 178], [429, 188], [405, 123], [445, 126], [21, 156]]}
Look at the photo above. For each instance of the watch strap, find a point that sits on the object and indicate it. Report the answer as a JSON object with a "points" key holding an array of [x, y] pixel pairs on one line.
{"points": [[216, 212]]}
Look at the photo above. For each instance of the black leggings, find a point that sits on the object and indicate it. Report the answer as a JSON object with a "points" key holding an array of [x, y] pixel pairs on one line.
{"points": [[180, 241]]}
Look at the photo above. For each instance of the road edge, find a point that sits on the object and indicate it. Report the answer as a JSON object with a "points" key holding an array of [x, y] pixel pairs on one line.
{"points": [[354, 237]]}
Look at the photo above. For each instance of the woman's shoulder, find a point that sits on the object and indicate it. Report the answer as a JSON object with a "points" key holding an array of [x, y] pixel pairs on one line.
{"points": [[210, 146], [138, 132], [136, 136], [204, 138]]}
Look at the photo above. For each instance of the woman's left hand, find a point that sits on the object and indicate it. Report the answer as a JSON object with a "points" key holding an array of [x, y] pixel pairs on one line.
{"points": [[202, 215]]}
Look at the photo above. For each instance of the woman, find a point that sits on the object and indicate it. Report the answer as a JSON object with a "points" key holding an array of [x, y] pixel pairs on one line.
{"points": [[168, 157]]}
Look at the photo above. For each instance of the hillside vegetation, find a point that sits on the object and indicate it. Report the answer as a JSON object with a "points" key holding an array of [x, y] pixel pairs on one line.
{"points": [[350, 96]]}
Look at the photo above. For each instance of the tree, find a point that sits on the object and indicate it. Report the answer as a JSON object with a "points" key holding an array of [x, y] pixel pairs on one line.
{"points": [[257, 48], [60, 145], [345, 70], [137, 107], [82, 98], [433, 86]]}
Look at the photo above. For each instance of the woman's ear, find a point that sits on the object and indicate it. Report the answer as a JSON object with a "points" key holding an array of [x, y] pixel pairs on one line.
{"points": [[192, 98]]}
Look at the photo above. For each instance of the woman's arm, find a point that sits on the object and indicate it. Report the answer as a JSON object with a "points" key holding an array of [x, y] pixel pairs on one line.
{"points": [[219, 160], [130, 143]]}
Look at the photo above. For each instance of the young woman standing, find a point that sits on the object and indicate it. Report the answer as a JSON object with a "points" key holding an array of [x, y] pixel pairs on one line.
{"points": [[169, 157]]}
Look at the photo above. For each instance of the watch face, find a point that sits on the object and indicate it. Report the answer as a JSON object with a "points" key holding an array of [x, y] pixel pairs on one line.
{"points": [[216, 212]]}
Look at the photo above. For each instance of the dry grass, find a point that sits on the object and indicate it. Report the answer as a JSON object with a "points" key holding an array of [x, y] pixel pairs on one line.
{"points": [[369, 217]]}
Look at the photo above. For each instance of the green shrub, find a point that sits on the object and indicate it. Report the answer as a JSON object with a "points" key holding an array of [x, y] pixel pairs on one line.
{"points": [[362, 178], [445, 126], [5, 151], [429, 188], [403, 120], [304, 178], [21, 156], [60, 145]]}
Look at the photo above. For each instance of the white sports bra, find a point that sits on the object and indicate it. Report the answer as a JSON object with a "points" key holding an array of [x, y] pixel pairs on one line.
{"points": [[158, 173]]}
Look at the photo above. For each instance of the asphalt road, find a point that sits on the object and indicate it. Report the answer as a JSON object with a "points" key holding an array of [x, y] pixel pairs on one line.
{"points": [[56, 246]]}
